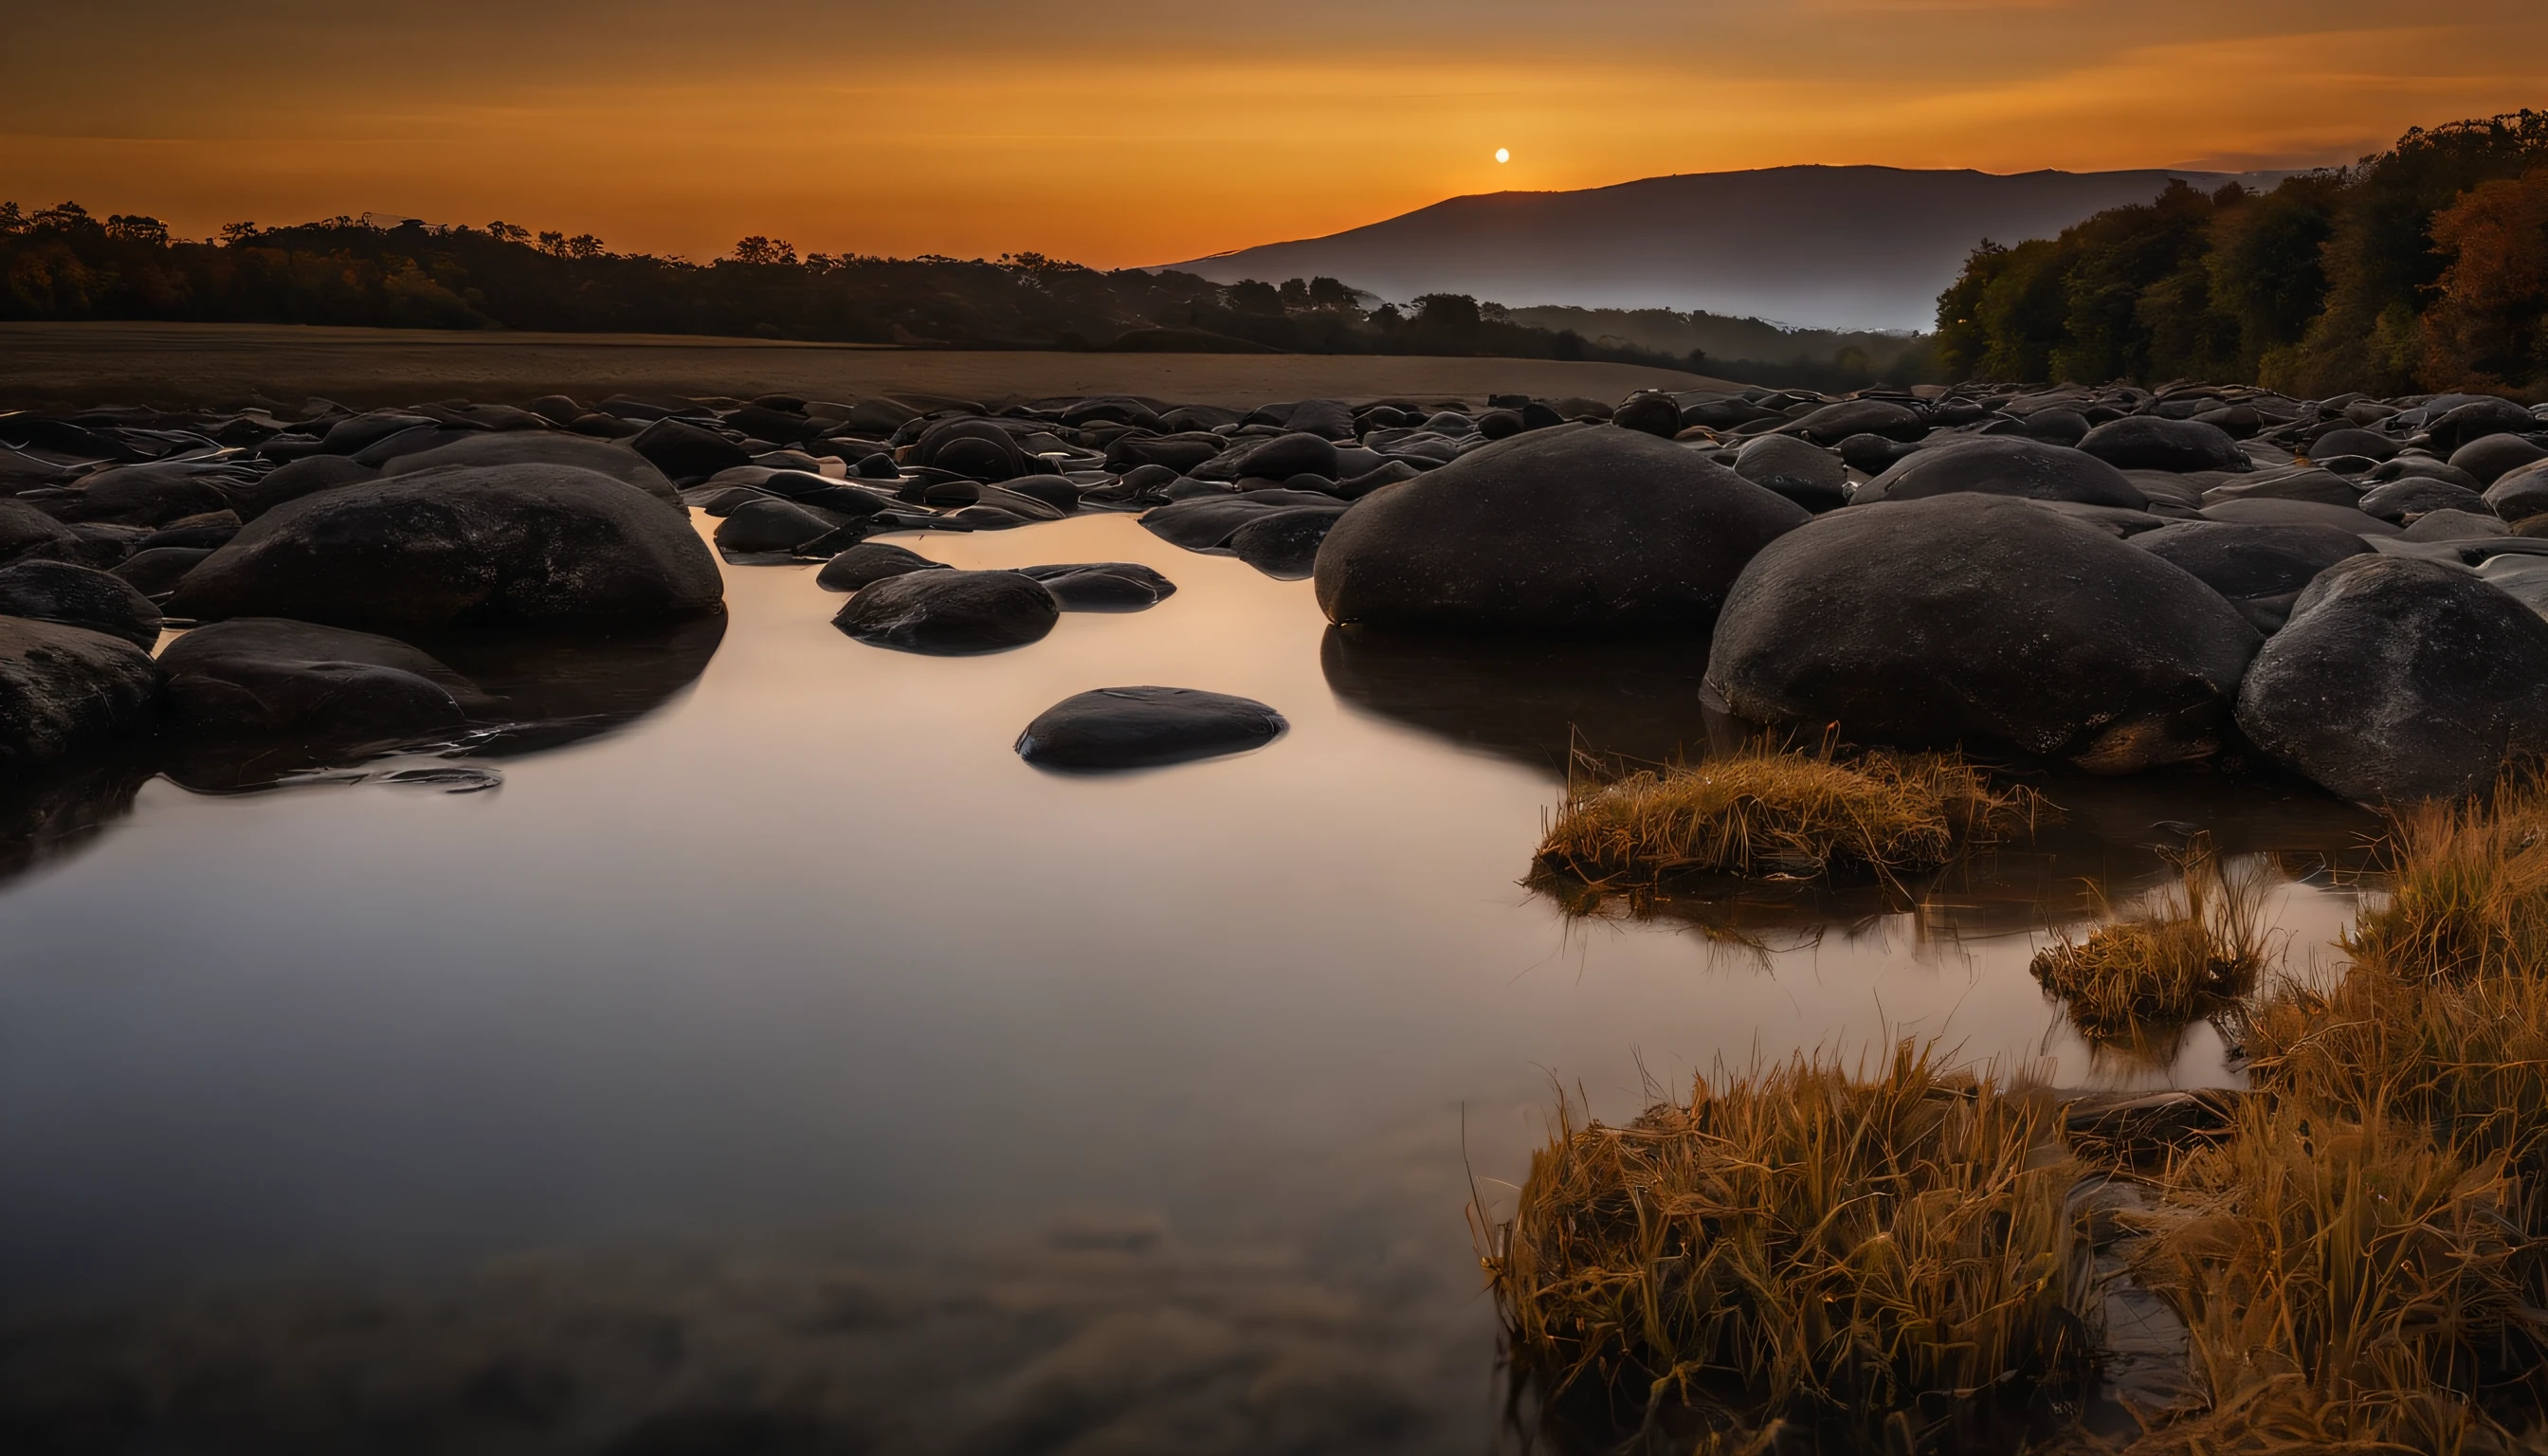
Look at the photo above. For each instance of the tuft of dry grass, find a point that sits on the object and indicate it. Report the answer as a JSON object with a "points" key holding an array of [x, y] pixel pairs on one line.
{"points": [[2194, 950], [2363, 1262], [1870, 1253], [1782, 813], [2346, 1285]]}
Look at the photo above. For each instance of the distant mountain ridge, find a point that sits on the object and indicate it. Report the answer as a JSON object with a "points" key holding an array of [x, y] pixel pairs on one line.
{"points": [[1820, 246]]}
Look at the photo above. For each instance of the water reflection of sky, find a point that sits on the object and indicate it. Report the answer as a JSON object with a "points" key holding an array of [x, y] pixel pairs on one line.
{"points": [[806, 979]]}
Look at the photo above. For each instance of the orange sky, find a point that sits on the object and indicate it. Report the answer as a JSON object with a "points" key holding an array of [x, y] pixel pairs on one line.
{"points": [[1140, 131]]}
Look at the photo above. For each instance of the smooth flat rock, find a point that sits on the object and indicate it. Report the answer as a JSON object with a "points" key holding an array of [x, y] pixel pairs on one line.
{"points": [[1143, 727]]}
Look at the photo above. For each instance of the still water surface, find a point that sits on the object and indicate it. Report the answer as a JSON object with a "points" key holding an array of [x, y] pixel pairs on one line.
{"points": [[795, 1062]]}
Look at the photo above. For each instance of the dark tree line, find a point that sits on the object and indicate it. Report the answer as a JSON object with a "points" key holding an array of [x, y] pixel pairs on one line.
{"points": [[2424, 266], [64, 263]]}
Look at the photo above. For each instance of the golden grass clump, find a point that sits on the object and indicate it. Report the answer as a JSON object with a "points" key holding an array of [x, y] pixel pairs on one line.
{"points": [[1767, 811], [2364, 1261], [2345, 1284], [1799, 1245], [2469, 893], [2192, 952]]}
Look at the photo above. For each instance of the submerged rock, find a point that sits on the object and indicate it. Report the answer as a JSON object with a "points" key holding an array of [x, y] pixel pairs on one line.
{"points": [[327, 690], [868, 562], [1103, 585], [1140, 727], [950, 613], [1983, 622]]}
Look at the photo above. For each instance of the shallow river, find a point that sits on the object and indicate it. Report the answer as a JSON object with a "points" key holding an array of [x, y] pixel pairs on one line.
{"points": [[795, 1068]]}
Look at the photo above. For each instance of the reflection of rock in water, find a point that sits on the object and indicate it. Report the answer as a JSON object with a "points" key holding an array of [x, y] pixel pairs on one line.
{"points": [[1528, 699], [556, 688], [1078, 1344], [60, 809], [535, 690]]}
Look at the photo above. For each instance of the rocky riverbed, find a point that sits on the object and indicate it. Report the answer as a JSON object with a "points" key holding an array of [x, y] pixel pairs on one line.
{"points": [[2348, 589]]}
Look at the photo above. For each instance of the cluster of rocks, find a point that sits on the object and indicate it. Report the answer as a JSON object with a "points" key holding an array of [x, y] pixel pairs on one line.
{"points": [[334, 567], [2121, 579], [2113, 577]]}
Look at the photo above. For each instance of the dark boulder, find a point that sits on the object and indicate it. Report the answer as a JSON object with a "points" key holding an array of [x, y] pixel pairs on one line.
{"points": [[1285, 543], [2003, 465], [323, 693], [1207, 522], [2262, 569], [2271, 513], [2400, 680], [148, 494], [2369, 444], [1655, 414], [1984, 621], [1871, 454], [156, 572], [295, 478], [770, 525], [868, 562], [1285, 456], [516, 447], [2477, 419], [1834, 423], [81, 597], [950, 613], [685, 452], [1581, 528], [64, 689], [2517, 495], [2416, 494], [508, 545], [976, 449], [1103, 585], [27, 533], [1143, 727], [1811, 477], [2490, 458], [2147, 442]]}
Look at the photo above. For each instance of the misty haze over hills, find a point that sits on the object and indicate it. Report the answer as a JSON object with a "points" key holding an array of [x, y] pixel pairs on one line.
{"points": [[1833, 247]]}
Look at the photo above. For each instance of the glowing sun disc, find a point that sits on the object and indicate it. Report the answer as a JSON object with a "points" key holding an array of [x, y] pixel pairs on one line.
{"points": [[1502, 156]]}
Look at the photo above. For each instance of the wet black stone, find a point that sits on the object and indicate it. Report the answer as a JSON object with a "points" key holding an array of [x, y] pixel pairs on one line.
{"points": [[1145, 727]]}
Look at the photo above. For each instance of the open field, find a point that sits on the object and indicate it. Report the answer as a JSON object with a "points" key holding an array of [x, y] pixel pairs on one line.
{"points": [[216, 363]]}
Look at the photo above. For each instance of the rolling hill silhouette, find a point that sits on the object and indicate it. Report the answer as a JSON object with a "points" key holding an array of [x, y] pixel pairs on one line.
{"points": [[1835, 247]]}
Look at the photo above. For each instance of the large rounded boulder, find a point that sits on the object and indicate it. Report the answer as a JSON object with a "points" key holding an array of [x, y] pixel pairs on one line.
{"points": [[81, 596], [2148, 442], [510, 545], [1984, 621], [521, 447], [323, 689], [1582, 528], [63, 688], [2400, 679], [2003, 465], [950, 613]]}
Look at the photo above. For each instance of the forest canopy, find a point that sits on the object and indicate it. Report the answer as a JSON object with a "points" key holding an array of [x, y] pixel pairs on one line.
{"points": [[2424, 266]]}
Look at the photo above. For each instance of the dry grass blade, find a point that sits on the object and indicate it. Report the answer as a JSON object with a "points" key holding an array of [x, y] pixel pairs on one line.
{"points": [[2196, 950], [1782, 813], [1801, 1244]]}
